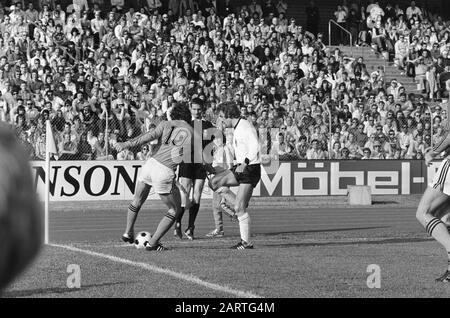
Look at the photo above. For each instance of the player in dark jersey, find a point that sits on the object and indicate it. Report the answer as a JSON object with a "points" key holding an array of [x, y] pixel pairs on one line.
{"points": [[192, 175], [176, 138]]}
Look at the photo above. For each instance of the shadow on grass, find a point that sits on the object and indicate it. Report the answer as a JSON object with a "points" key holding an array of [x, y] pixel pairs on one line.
{"points": [[384, 202], [54, 290], [269, 234], [356, 242], [328, 230]]}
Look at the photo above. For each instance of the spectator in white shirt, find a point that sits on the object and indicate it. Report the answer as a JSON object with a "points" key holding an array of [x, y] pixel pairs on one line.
{"points": [[80, 5], [125, 154], [413, 11]]}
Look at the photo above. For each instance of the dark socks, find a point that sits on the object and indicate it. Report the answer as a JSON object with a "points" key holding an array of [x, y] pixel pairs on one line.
{"points": [[193, 211]]}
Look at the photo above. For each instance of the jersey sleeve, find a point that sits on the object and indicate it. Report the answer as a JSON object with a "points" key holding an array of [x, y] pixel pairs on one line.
{"points": [[253, 145], [153, 134]]}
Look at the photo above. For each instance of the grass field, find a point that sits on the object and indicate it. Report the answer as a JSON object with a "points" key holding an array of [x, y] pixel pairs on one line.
{"points": [[320, 251]]}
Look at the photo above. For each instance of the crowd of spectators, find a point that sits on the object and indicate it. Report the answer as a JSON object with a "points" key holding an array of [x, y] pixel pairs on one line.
{"points": [[414, 38], [105, 71]]}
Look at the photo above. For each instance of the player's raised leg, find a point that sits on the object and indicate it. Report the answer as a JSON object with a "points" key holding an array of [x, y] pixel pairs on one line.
{"points": [[141, 194], [220, 184], [224, 178]]}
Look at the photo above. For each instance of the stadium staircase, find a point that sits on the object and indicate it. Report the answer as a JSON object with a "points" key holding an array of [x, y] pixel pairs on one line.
{"points": [[374, 60], [326, 10], [371, 58]]}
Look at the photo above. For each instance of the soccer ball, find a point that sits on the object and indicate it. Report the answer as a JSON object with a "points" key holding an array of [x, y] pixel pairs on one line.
{"points": [[142, 239]]}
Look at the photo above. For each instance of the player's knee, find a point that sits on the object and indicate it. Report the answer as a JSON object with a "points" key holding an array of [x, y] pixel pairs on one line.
{"points": [[213, 184], [239, 208], [420, 216], [423, 214], [172, 213]]}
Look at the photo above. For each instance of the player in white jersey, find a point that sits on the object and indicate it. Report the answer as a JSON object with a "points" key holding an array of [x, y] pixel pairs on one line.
{"points": [[246, 174], [435, 201], [176, 137]]}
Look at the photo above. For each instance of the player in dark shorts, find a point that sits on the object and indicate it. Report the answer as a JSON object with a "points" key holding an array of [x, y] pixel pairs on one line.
{"points": [[246, 173], [191, 176]]}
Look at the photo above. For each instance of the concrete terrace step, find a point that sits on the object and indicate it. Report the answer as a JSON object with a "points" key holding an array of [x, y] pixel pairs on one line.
{"points": [[373, 61], [326, 10]]}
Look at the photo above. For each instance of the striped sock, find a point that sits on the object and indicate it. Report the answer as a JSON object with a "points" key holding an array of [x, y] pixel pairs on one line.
{"points": [[438, 230], [431, 226], [193, 212], [165, 225], [133, 209], [132, 215]]}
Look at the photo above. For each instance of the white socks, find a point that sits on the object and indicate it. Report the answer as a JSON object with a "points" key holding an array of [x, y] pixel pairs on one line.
{"points": [[244, 227]]}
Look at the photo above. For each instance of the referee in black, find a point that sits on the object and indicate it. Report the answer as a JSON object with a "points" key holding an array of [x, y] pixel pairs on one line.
{"points": [[192, 175]]}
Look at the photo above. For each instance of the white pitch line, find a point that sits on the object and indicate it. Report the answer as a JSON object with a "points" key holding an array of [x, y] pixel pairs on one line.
{"points": [[152, 268]]}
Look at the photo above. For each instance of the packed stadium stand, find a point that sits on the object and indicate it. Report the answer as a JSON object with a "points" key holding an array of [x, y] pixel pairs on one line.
{"points": [[370, 84]]}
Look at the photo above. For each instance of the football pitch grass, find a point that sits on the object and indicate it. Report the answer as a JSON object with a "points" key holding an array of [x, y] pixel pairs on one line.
{"points": [[299, 252]]}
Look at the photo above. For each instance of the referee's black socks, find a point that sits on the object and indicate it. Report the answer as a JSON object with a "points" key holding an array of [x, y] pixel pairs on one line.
{"points": [[193, 211]]}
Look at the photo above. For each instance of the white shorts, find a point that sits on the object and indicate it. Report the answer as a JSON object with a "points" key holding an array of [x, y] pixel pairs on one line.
{"points": [[157, 175], [441, 180]]}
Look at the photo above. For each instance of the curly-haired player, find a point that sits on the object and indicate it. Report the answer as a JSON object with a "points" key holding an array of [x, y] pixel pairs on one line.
{"points": [[176, 137]]}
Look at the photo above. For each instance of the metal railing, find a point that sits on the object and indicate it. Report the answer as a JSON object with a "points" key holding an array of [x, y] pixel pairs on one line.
{"points": [[330, 23], [330, 133], [431, 126]]}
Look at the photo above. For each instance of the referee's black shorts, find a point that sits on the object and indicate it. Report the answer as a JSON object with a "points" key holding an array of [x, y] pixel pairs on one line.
{"points": [[192, 171], [250, 175]]}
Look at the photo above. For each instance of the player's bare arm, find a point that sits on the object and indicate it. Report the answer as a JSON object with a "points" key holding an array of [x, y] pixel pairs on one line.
{"points": [[141, 140]]}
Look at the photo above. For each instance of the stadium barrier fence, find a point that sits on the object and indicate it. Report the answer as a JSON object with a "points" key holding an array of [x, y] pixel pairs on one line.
{"points": [[116, 180]]}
